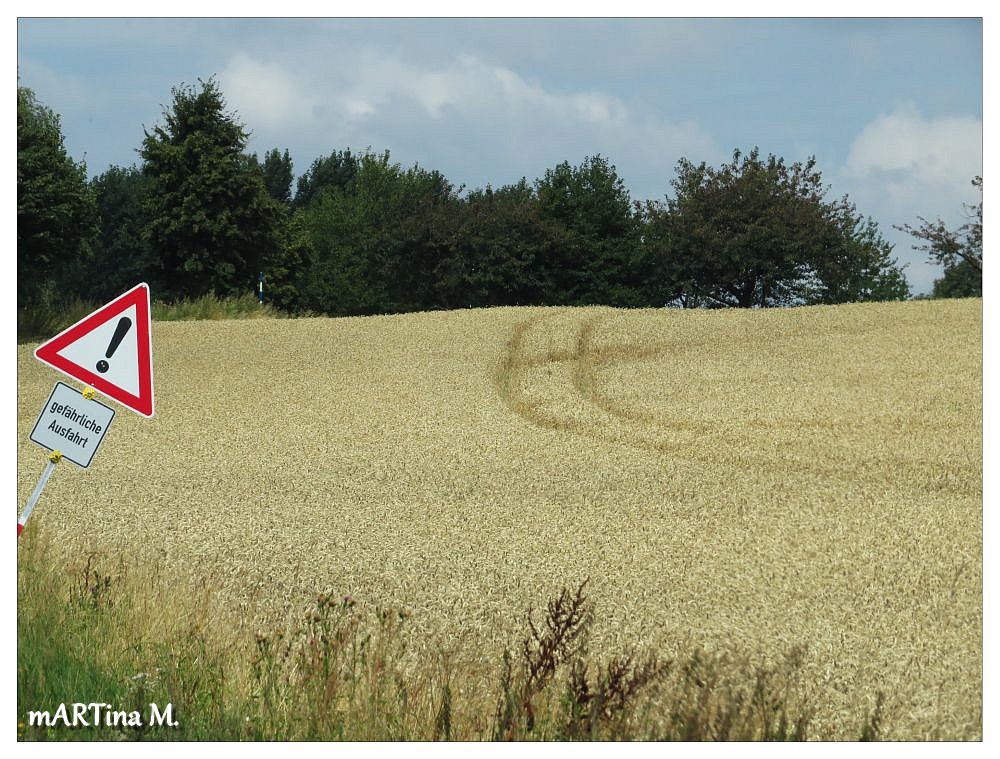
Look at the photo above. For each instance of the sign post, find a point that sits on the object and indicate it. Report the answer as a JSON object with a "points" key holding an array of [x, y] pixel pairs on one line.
{"points": [[110, 350], [22, 520]]}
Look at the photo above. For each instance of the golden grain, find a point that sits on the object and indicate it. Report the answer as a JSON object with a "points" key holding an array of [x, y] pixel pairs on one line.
{"points": [[749, 480]]}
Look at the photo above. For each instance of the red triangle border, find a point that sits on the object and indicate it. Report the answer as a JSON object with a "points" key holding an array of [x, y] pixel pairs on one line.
{"points": [[48, 352]]}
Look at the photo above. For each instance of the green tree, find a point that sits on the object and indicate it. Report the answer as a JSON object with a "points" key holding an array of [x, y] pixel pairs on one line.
{"points": [[961, 280], [335, 171], [758, 232], [415, 238], [592, 204], [662, 272], [503, 252], [277, 172], [120, 256], [55, 208], [855, 262], [377, 239], [959, 251], [212, 223], [343, 223], [286, 267]]}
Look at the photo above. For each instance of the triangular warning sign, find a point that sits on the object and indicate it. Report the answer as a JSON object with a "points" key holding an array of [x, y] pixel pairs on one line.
{"points": [[111, 350]]}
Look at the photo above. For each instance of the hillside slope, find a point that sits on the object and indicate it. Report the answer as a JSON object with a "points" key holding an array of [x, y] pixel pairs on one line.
{"points": [[750, 480]]}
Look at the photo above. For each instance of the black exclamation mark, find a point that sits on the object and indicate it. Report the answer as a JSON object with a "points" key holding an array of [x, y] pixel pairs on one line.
{"points": [[120, 331]]}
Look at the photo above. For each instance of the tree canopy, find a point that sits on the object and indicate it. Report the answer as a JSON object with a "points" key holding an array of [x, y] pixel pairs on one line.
{"points": [[759, 232], [335, 171], [120, 255], [363, 234], [504, 251], [277, 173], [593, 207], [374, 238], [211, 220], [55, 208], [960, 251]]}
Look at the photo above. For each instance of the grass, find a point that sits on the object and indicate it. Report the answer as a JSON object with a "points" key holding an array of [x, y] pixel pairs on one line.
{"points": [[342, 673], [754, 485], [45, 320], [210, 307]]}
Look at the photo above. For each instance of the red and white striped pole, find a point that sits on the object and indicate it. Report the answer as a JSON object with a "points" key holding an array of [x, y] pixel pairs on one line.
{"points": [[54, 458]]}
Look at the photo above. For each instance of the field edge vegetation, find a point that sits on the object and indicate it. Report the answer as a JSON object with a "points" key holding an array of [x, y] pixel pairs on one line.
{"points": [[92, 634], [51, 316]]}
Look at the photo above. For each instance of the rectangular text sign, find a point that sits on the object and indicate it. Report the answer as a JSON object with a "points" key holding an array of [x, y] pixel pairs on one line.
{"points": [[72, 425]]}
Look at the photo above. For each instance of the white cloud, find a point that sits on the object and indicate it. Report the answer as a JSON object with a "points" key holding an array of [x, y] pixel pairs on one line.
{"points": [[466, 86], [264, 94], [929, 149], [57, 90], [449, 114], [903, 165]]}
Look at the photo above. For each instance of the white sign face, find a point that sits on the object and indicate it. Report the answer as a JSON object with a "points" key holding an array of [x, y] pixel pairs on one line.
{"points": [[72, 425], [119, 333]]}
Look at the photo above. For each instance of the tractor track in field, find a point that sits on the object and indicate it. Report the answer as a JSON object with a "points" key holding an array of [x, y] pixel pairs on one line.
{"points": [[600, 417]]}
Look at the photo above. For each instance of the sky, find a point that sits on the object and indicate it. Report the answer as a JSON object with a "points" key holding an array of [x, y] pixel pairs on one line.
{"points": [[892, 109]]}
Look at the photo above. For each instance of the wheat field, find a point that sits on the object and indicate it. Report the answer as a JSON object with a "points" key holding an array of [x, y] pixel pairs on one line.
{"points": [[751, 481]]}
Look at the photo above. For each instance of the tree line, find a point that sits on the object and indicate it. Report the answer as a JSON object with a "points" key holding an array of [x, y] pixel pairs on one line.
{"points": [[361, 234]]}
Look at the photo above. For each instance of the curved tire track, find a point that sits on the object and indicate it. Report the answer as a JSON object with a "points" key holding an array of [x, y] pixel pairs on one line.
{"points": [[625, 425]]}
